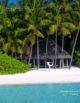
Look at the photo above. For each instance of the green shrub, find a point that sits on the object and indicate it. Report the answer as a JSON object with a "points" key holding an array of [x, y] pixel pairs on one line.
{"points": [[77, 58], [9, 65]]}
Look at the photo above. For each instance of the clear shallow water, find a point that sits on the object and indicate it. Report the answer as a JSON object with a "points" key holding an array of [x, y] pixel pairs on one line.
{"points": [[55, 93]]}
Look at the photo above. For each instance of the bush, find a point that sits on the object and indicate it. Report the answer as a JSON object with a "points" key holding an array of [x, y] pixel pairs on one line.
{"points": [[77, 58], [9, 65]]}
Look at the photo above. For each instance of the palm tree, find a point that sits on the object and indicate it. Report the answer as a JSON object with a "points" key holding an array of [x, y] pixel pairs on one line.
{"points": [[54, 27], [1, 44], [76, 20], [37, 19], [33, 17], [3, 25]]}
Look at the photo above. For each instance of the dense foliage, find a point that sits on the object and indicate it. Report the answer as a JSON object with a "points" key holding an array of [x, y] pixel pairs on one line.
{"points": [[9, 65], [77, 58], [23, 22]]}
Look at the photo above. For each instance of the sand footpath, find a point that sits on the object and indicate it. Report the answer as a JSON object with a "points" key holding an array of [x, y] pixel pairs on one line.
{"points": [[43, 76]]}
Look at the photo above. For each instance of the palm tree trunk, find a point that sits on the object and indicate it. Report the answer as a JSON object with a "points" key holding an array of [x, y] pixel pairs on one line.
{"points": [[62, 44], [15, 55], [62, 50], [55, 50], [21, 56], [73, 49], [31, 47], [46, 49], [38, 62]]}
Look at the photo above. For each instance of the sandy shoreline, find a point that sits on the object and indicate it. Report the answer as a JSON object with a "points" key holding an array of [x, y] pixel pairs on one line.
{"points": [[42, 76]]}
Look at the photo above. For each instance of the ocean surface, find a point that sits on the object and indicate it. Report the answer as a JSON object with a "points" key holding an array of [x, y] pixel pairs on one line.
{"points": [[50, 93]]}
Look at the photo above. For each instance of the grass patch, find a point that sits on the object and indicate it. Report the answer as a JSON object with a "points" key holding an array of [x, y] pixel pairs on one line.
{"points": [[10, 65]]}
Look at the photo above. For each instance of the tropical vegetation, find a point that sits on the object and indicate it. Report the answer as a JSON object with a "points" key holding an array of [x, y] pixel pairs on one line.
{"points": [[24, 23], [9, 65]]}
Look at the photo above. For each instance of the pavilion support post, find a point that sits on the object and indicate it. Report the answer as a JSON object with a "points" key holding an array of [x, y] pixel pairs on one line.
{"points": [[45, 64], [34, 63], [59, 63], [62, 63], [67, 63], [53, 62], [73, 49], [38, 61]]}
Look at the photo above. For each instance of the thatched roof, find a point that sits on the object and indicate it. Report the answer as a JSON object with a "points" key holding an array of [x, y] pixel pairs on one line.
{"points": [[51, 51]]}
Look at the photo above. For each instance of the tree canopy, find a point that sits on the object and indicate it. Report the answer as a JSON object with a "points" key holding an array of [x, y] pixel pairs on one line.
{"points": [[22, 22]]}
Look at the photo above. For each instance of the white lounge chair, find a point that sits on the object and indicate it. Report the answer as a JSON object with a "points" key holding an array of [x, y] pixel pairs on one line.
{"points": [[50, 64]]}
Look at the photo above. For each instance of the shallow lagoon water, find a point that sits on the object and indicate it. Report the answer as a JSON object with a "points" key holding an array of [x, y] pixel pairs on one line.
{"points": [[49, 93]]}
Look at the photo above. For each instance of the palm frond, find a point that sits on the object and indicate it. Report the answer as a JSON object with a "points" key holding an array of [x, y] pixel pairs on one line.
{"points": [[1, 27], [45, 22], [31, 27], [39, 34], [65, 31], [69, 25], [52, 29]]}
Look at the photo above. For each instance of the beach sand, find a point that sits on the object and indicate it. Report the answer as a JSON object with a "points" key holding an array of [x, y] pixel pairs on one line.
{"points": [[42, 76]]}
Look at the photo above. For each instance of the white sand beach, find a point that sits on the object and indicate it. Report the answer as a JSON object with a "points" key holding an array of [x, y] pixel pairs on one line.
{"points": [[43, 76]]}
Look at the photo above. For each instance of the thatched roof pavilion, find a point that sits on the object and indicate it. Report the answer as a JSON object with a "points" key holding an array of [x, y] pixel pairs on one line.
{"points": [[60, 60]]}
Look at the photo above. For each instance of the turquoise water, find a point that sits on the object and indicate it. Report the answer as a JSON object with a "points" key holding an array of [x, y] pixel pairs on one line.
{"points": [[55, 93]]}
